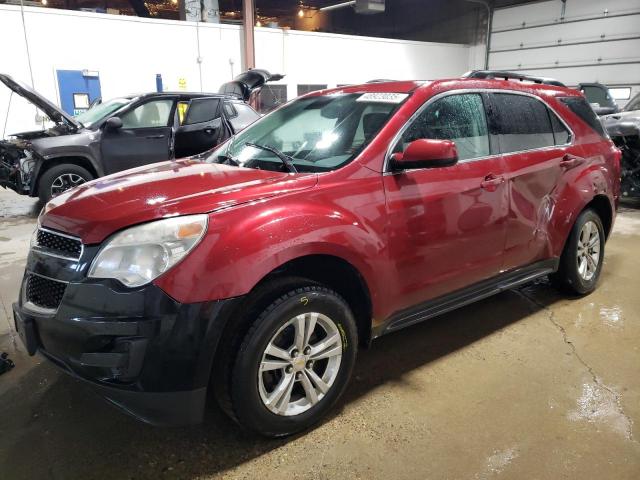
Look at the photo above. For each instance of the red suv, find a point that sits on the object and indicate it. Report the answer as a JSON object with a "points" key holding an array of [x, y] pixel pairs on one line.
{"points": [[255, 271]]}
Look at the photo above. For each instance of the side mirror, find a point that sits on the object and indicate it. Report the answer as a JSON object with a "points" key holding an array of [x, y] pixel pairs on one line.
{"points": [[113, 123], [424, 153]]}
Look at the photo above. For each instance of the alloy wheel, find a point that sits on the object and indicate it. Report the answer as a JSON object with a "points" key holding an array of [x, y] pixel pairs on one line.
{"points": [[300, 364], [588, 256], [64, 182]]}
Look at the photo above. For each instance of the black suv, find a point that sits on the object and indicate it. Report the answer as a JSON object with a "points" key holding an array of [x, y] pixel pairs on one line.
{"points": [[122, 133]]}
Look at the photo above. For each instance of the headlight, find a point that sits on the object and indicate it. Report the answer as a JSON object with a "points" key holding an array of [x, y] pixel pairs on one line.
{"points": [[139, 254]]}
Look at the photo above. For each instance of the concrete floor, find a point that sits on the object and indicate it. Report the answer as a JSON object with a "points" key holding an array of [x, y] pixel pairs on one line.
{"points": [[525, 385]]}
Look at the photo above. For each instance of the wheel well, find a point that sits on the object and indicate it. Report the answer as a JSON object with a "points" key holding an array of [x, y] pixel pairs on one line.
{"points": [[601, 205], [332, 272], [339, 275], [80, 161]]}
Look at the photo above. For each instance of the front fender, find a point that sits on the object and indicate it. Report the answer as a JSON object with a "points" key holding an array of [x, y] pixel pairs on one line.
{"points": [[85, 144], [246, 243]]}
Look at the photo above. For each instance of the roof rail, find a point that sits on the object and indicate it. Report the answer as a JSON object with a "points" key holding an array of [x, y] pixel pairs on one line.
{"points": [[499, 74]]}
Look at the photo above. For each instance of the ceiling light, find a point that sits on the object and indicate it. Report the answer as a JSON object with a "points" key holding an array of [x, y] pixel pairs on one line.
{"points": [[301, 13]]}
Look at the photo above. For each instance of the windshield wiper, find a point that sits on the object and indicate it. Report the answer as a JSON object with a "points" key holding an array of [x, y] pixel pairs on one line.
{"points": [[286, 159], [229, 160]]}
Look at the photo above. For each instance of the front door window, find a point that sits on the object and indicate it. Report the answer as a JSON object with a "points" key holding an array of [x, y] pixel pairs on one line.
{"points": [[459, 118], [148, 115]]}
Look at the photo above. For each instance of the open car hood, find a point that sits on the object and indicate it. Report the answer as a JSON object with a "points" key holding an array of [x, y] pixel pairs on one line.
{"points": [[248, 82], [57, 115]]}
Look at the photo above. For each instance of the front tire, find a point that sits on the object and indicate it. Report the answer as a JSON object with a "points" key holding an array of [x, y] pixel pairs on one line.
{"points": [[60, 178], [583, 256], [294, 362]]}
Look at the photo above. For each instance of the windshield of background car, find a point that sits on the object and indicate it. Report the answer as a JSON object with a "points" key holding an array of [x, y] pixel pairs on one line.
{"points": [[318, 134], [98, 112], [634, 104], [597, 95]]}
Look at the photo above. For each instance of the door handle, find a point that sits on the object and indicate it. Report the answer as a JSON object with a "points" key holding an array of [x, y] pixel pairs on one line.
{"points": [[208, 131], [155, 136], [570, 161], [491, 182]]}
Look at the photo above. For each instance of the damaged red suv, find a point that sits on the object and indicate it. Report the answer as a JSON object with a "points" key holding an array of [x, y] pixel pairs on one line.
{"points": [[256, 271]]}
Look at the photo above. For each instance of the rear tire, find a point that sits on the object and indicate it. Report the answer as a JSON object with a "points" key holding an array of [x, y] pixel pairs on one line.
{"points": [[313, 333], [61, 178], [583, 256]]}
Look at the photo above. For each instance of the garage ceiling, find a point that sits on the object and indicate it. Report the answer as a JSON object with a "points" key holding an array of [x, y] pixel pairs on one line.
{"points": [[453, 21], [456, 21]]}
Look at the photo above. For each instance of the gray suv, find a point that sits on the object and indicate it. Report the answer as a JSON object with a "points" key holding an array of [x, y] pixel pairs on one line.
{"points": [[122, 133]]}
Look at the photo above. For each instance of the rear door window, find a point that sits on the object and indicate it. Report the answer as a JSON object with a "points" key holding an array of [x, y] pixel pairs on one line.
{"points": [[522, 123], [202, 110], [582, 109]]}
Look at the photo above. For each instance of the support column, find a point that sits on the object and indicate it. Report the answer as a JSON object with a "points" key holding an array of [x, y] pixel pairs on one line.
{"points": [[248, 20]]}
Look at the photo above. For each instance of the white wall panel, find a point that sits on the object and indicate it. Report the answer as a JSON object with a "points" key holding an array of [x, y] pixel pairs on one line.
{"points": [[600, 29], [623, 50], [549, 12], [13, 60], [128, 52]]}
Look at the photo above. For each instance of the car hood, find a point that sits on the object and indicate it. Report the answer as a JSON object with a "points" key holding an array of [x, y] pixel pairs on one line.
{"points": [[97, 209], [622, 123], [57, 115], [248, 82]]}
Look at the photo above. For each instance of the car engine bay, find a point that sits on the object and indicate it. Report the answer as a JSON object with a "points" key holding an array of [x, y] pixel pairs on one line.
{"points": [[16, 165]]}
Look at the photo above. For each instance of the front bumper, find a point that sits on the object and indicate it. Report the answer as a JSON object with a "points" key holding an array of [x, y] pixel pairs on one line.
{"points": [[139, 348]]}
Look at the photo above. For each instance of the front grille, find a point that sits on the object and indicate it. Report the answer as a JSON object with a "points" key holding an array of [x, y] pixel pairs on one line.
{"points": [[58, 244], [43, 292]]}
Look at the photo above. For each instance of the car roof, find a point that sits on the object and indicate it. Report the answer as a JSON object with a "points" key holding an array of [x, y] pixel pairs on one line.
{"points": [[178, 94], [451, 84]]}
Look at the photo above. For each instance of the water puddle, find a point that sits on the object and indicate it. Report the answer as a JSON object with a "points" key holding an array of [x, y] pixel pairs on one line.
{"points": [[497, 462], [599, 405]]}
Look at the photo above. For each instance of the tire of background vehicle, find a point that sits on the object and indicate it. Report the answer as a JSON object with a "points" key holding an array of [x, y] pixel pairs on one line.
{"points": [[54, 173], [248, 384], [571, 276]]}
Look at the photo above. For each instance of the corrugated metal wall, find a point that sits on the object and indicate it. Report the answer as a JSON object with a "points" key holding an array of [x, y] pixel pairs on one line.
{"points": [[577, 41]]}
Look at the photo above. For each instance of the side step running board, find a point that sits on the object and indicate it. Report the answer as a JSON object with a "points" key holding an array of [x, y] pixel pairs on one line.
{"points": [[466, 296]]}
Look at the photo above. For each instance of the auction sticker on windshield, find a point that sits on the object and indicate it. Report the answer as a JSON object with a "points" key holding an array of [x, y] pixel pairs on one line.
{"points": [[382, 97]]}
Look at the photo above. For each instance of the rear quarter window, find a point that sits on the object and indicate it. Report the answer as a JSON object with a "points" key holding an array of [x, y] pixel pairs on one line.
{"points": [[582, 109]]}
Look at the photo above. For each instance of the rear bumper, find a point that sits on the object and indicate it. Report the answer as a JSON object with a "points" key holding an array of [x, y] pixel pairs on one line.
{"points": [[138, 348]]}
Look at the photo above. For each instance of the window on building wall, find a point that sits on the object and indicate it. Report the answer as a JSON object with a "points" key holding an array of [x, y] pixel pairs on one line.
{"points": [[270, 97], [302, 89], [620, 93]]}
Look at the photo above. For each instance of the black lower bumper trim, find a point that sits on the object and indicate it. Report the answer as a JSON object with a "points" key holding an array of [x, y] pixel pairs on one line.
{"points": [[139, 348], [156, 408], [159, 408]]}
